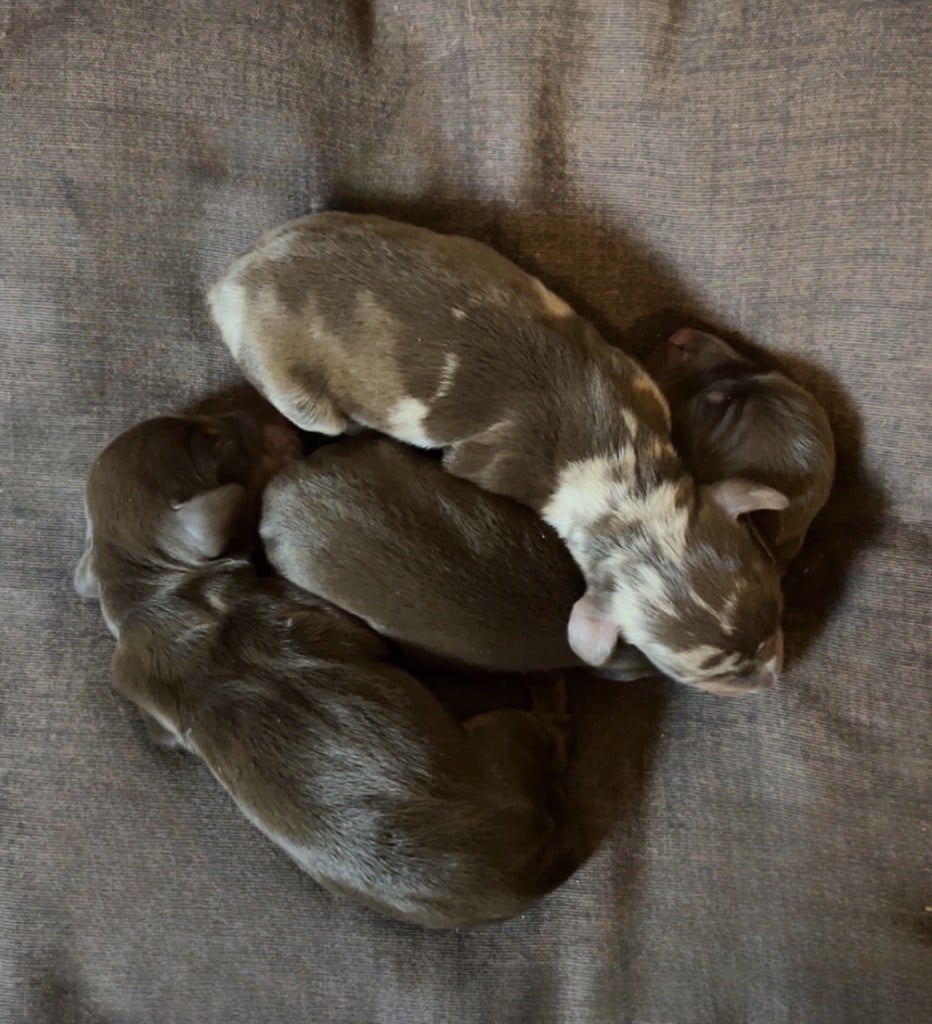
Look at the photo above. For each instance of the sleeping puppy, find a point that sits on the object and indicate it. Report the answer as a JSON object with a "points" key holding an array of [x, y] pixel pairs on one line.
{"points": [[733, 417], [440, 342], [343, 760], [447, 571], [452, 572]]}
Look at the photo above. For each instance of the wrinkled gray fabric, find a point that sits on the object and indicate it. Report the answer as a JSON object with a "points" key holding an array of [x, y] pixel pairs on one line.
{"points": [[760, 167]]}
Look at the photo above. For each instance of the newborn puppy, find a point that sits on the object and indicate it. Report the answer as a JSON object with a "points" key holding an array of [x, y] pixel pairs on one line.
{"points": [[442, 343], [733, 417], [449, 571], [343, 760], [444, 569]]}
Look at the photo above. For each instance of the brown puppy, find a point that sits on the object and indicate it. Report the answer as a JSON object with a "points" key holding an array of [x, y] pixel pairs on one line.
{"points": [[453, 572], [440, 342], [444, 569], [342, 759], [733, 417]]}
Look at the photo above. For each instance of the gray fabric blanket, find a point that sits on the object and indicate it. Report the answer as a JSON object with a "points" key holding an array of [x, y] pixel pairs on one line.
{"points": [[758, 167]]}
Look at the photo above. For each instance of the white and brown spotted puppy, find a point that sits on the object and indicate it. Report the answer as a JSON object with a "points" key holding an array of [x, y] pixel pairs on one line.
{"points": [[735, 417], [440, 342], [453, 572], [345, 761]]}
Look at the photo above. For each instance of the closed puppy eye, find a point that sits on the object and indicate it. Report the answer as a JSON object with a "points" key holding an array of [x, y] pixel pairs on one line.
{"points": [[204, 451]]}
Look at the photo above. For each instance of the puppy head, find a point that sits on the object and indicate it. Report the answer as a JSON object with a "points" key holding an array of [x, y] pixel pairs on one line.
{"points": [[733, 418], [688, 586], [179, 491]]}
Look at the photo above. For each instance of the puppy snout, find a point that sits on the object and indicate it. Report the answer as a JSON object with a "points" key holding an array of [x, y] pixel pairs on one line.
{"points": [[770, 661], [769, 666]]}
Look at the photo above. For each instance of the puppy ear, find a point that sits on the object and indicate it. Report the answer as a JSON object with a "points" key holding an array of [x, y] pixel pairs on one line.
{"points": [[591, 633], [736, 497], [85, 582], [208, 521]]}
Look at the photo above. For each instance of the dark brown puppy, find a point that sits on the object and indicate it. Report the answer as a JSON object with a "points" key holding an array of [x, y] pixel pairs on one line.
{"points": [[342, 759], [734, 417], [446, 570], [452, 572]]}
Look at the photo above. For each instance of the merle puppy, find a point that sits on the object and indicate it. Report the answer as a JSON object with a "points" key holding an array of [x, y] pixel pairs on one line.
{"points": [[343, 760]]}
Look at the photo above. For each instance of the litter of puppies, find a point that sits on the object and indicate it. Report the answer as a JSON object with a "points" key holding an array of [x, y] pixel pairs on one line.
{"points": [[582, 512]]}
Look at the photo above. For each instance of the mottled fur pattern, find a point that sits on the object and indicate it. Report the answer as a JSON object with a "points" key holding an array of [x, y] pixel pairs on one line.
{"points": [[344, 760], [442, 343]]}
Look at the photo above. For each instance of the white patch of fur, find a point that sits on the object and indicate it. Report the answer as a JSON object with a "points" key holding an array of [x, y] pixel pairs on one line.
{"points": [[688, 664], [447, 375], [666, 521], [553, 304], [583, 493], [588, 489], [406, 422], [458, 314], [631, 421], [650, 588], [726, 618], [227, 301]]}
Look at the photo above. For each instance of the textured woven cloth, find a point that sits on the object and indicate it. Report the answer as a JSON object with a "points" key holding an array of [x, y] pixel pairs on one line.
{"points": [[760, 167]]}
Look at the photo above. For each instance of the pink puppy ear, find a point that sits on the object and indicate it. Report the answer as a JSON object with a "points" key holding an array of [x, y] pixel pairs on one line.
{"points": [[736, 497], [591, 633]]}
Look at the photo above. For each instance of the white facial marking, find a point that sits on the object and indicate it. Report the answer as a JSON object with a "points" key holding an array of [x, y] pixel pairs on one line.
{"points": [[406, 422], [666, 521], [689, 663], [553, 304]]}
